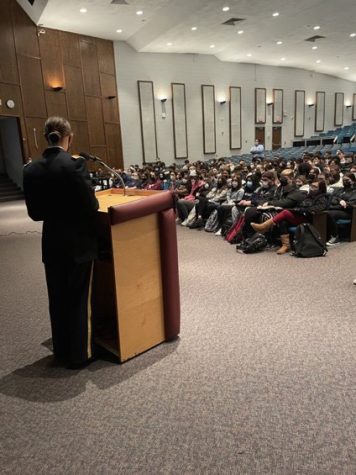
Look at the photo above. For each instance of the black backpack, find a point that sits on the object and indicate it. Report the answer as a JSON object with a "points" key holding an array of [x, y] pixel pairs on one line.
{"points": [[308, 242], [255, 243]]}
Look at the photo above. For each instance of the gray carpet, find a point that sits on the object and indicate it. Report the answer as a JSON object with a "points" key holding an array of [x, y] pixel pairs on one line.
{"points": [[261, 381]]}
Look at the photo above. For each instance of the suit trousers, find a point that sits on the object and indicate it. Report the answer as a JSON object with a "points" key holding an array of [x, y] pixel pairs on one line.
{"points": [[68, 285]]}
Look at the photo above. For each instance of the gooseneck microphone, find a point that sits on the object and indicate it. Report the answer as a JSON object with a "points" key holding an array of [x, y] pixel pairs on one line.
{"points": [[94, 158]]}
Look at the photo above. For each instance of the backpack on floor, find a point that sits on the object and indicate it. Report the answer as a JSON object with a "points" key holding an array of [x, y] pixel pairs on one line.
{"points": [[234, 234], [308, 242], [212, 223], [255, 243]]}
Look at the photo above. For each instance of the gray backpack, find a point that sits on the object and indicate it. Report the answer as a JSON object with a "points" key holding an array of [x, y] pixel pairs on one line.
{"points": [[212, 224]]}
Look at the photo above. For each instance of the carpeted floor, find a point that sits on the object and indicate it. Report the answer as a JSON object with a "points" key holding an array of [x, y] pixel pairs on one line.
{"points": [[261, 381]]}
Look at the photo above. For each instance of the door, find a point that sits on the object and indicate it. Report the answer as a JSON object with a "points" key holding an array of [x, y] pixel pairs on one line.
{"points": [[260, 134], [11, 149], [276, 137]]}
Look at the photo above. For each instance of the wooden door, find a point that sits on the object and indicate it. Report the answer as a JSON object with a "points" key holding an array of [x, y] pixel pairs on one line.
{"points": [[276, 137], [260, 134]]}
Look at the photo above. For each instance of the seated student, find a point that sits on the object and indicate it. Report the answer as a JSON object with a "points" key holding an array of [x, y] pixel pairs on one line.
{"points": [[262, 195], [234, 195], [315, 201], [154, 183], [208, 203], [288, 196], [250, 187], [184, 205], [340, 206]]}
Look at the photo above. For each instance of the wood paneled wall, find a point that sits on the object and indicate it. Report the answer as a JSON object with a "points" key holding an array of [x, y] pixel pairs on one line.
{"points": [[31, 65]]}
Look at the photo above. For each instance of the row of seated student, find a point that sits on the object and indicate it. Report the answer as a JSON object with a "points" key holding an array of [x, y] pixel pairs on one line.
{"points": [[286, 200]]}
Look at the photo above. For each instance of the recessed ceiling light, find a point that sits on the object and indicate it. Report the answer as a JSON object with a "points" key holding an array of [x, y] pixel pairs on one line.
{"points": [[283, 59], [83, 10], [139, 12], [212, 46], [353, 35], [346, 68], [240, 32], [119, 31], [275, 14], [249, 55], [194, 28], [317, 27], [226, 9], [318, 61], [169, 44], [314, 47], [279, 42]]}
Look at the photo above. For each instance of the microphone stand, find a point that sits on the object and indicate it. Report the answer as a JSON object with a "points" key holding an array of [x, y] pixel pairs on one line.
{"points": [[114, 172]]}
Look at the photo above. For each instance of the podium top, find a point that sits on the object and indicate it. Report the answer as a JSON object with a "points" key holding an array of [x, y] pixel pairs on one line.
{"points": [[115, 197]]}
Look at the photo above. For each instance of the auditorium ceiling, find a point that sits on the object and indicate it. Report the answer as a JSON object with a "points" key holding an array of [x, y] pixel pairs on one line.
{"points": [[243, 31]]}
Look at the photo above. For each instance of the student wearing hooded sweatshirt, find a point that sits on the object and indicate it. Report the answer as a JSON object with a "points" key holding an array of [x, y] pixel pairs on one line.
{"points": [[264, 194], [288, 196]]}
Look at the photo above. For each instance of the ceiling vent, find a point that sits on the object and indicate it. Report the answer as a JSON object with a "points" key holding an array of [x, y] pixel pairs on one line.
{"points": [[312, 39], [119, 2], [232, 21]]}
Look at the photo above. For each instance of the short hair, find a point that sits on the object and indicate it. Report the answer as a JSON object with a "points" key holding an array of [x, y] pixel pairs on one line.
{"points": [[56, 128]]}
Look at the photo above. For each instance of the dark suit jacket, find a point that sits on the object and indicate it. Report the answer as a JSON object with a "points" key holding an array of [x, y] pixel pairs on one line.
{"points": [[58, 192]]}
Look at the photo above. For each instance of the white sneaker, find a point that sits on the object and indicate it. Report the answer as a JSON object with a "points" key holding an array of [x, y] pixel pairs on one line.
{"points": [[333, 240], [218, 233]]}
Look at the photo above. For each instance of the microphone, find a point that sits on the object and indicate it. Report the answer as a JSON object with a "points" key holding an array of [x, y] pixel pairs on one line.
{"points": [[87, 156], [94, 158]]}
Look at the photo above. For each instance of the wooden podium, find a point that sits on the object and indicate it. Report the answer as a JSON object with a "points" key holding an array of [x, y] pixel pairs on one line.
{"points": [[135, 301]]}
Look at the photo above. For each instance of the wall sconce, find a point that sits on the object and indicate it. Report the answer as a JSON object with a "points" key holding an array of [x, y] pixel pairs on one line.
{"points": [[57, 88], [41, 31], [348, 106], [111, 97], [222, 102], [311, 105], [163, 107], [270, 103]]}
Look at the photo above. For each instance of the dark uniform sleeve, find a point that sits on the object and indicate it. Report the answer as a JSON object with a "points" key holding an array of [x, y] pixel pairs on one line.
{"points": [[33, 191], [84, 190]]}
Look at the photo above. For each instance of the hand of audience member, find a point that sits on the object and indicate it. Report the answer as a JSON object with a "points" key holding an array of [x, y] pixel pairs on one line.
{"points": [[343, 203]]}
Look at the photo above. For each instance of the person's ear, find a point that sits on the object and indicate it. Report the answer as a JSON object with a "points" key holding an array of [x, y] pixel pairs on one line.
{"points": [[70, 140]]}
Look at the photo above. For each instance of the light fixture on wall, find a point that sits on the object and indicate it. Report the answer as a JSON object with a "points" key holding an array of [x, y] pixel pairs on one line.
{"points": [[348, 106], [111, 97], [270, 103], [57, 88], [40, 31], [163, 107], [311, 105], [222, 102]]}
